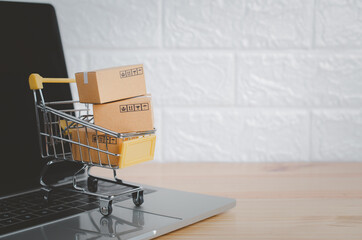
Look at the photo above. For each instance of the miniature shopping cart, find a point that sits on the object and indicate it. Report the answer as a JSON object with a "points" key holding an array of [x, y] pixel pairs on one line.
{"points": [[71, 135]]}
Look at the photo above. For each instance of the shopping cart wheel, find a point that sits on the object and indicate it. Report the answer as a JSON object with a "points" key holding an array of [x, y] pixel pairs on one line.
{"points": [[105, 207], [138, 198], [92, 184]]}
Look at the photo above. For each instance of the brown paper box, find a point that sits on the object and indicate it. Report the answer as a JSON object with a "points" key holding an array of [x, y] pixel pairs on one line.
{"points": [[129, 115], [136, 150], [111, 84], [80, 152]]}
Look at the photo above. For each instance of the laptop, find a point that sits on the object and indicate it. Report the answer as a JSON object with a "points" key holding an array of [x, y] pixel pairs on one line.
{"points": [[30, 42]]}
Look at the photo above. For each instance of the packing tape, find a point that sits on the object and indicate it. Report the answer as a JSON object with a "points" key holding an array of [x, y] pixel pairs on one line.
{"points": [[85, 77]]}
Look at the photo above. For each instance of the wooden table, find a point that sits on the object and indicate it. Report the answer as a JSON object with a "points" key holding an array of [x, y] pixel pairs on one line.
{"points": [[274, 200]]}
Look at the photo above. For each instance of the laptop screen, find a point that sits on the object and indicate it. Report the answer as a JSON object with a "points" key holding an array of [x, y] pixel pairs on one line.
{"points": [[30, 43]]}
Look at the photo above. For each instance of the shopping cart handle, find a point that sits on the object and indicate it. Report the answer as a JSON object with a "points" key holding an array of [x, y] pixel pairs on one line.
{"points": [[36, 81]]}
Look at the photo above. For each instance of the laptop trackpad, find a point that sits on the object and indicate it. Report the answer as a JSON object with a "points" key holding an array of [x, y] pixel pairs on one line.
{"points": [[123, 223]]}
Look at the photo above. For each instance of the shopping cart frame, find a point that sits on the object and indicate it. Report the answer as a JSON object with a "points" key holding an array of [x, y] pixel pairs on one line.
{"points": [[54, 138]]}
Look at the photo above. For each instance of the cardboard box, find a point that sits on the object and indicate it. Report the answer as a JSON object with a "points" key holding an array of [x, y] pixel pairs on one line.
{"points": [[129, 115], [90, 155], [132, 150], [111, 84]]}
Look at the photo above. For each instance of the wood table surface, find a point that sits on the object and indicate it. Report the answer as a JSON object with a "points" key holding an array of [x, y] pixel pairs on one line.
{"points": [[274, 200]]}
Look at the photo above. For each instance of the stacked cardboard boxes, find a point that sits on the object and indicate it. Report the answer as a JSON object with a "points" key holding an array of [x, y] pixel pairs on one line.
{"points": [[120, 103], [119, 98]]}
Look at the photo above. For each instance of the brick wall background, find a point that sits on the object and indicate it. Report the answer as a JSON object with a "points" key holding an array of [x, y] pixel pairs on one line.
{"points": [[233, 80]]}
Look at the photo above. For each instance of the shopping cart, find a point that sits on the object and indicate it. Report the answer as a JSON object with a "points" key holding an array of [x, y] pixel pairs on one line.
{"points": [[71, 135]]}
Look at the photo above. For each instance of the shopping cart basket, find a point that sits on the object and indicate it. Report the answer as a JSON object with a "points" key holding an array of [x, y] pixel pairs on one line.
{"points": [[71, 135]]}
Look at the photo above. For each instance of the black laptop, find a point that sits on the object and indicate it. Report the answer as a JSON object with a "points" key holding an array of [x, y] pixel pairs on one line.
{"points": [[30, 42]]}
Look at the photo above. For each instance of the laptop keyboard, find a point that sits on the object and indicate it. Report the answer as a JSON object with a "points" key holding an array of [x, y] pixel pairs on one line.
{"points": [[30, 209], [27, 210]]}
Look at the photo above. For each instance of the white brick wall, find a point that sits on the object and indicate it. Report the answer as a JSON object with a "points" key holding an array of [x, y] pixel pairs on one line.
{"points": [[235, 23], [233, 80]]}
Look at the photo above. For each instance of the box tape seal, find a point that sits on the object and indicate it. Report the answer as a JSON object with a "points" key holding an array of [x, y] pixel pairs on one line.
{"points": [[85, 77]]}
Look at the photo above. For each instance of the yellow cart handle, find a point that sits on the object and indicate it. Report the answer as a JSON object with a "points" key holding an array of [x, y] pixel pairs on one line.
{"points": [[36, 81]]}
